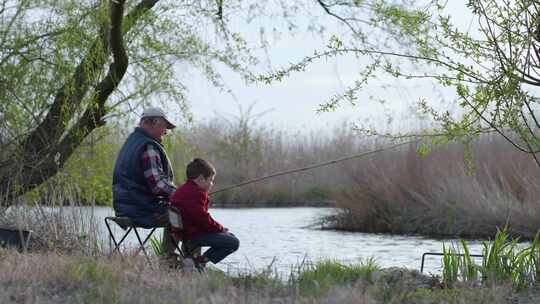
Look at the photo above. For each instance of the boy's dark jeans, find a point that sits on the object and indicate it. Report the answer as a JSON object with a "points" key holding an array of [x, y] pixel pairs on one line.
{"points": [[221, 245]]}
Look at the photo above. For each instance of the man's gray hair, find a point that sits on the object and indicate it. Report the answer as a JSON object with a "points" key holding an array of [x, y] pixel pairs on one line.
{"points": [[149, 120]]}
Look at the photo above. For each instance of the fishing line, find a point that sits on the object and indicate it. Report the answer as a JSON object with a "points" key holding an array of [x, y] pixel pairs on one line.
{"points": [[310, 167]]}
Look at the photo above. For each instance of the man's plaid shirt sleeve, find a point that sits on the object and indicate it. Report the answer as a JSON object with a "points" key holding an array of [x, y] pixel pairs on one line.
{"points": [[153, 172]]}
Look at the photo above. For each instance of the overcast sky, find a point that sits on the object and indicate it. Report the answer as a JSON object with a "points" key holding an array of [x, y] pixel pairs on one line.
{"points": [[292, 104]]}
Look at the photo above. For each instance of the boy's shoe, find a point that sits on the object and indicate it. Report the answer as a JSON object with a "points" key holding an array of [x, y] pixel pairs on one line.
{"points": [[201, 259], [200, 262]]}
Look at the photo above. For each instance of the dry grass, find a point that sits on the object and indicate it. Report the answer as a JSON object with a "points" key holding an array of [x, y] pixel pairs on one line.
{"points": [[56, 278], [63, 229], [242, 152], [402, 192]]}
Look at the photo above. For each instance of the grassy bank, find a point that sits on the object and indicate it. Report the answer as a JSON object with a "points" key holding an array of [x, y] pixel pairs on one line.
{"points": [[68, 265], [57, 278], [438, 195]]}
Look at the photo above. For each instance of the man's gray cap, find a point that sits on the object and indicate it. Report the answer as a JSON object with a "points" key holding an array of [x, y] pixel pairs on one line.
{"points": [[157, 112]]}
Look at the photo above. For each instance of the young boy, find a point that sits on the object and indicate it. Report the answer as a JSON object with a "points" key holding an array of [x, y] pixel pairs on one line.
{"points": [[199, 226]]}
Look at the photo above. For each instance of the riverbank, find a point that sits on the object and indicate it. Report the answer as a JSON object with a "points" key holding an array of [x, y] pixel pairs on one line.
{"points": [[59, 278], [70, 267]]}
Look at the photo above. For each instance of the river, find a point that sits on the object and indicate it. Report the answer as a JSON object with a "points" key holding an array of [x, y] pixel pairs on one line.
{"points": [[284, 238]]}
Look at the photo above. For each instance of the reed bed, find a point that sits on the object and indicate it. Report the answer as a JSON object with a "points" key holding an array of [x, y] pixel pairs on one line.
{"points": [[439, 195], [243, 150]]}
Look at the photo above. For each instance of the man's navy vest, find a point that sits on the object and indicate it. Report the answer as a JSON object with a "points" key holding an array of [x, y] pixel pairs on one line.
{"points": [[132, 196]]}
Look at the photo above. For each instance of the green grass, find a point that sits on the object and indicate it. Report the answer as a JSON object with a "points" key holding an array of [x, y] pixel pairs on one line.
{"points": [[320, 277], [503, 262], [157, 246], [103, 280], [459, 265]]}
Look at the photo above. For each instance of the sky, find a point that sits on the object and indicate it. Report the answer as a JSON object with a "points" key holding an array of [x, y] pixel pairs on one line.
{"points": [[292, 104]]}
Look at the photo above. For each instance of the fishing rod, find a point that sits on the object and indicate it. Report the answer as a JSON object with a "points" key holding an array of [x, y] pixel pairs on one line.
{"points": [[310, 167]]}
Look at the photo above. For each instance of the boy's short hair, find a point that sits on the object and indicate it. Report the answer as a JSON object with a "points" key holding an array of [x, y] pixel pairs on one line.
{"points": [[199, 166]]}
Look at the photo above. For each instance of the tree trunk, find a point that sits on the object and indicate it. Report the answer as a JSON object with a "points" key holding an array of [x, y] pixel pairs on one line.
{"points": [[46, 149]]}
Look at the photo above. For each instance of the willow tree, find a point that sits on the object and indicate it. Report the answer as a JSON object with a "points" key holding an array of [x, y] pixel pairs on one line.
{"points": [[68, 66], [493, 65]]}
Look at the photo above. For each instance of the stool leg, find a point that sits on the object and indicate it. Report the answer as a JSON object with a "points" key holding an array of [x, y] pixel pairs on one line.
{"points": [[122, 240], [141, 243], [175, 244], [111, 236], [149, 235]]}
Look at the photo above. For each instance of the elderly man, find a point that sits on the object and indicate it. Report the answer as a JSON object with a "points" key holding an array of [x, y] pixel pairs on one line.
{"points": [[143, 176]]}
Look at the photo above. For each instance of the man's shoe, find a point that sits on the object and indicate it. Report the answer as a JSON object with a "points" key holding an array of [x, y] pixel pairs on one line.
{"points": [[188, 265]]}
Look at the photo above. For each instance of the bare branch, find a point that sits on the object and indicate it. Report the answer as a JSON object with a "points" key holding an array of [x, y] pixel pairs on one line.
{"points": [[342, 19], [492, 125]]}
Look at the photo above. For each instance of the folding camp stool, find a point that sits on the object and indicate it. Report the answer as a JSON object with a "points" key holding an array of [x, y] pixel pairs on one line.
{"points": [[128, 225], [177, 236]]}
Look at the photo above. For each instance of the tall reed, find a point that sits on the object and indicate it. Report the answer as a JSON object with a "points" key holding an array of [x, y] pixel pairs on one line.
{"points": [[57, 221], [437, 195], [505, 261]]}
